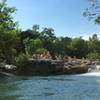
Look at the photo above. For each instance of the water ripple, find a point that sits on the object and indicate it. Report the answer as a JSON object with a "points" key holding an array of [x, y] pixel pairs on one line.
{"points": [[62, 87]]}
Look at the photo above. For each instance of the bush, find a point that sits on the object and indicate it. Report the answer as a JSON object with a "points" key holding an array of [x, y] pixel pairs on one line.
{"points": [[21, 59], [93, 55]]}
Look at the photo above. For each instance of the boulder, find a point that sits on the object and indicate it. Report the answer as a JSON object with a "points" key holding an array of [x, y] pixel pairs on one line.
{"points": [[7, 68]]}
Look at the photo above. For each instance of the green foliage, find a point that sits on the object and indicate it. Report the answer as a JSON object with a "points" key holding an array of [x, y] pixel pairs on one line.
{"points": [[35, 28], [41, 51], [38, 43], [29, 45], [32, 45], [94, 44], [48, 33], [8, 32], [34, 41], [21, 59], [93, 55], [62, 46], [78, 47], [93, 12]]}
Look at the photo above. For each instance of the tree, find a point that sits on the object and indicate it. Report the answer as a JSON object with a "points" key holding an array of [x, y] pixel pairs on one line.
{"points": [[31, 45], [35, 28], [65, 42], [47, 34], [8, 32], [29, 33], [78, 47], [93, 43], [94, 47], [35, 31], [48, 38], [93, 12]]}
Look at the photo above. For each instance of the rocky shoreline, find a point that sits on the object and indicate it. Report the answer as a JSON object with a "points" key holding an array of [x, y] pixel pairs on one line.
{"points": [[51, 67]]}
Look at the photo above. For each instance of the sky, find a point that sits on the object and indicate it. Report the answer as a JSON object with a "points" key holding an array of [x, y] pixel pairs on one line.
{"points": [[64, 16]]}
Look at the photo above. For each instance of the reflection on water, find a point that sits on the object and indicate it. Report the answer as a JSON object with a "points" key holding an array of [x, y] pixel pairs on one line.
{"points": [[7, 88], [64, 87]]}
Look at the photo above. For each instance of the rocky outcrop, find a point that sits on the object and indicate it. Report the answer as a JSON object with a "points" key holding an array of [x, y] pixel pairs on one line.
{"points": [[75, 67], [48, 67], [51, 67], [39, 67]]}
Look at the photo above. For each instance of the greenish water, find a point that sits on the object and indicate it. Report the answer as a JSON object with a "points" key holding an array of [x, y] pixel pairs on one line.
{"points": [[64, 87]]}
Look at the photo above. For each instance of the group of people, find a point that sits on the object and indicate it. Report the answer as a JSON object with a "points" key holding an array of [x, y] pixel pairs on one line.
{"points": [[44, 56], [47, 55], [67, 58]]}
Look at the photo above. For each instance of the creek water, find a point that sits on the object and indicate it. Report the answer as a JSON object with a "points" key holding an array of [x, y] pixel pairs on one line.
{"points": [[61, 87]]}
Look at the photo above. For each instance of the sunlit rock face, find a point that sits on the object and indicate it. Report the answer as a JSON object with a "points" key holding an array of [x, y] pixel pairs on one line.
{"points": [[7, 68], [10, 66]]}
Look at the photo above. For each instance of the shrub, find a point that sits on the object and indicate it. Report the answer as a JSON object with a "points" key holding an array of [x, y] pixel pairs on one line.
{"points": [[93, 55], [21, 59]]}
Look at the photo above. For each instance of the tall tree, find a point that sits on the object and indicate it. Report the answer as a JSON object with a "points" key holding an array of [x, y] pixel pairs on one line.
{"points": [[8, 32], [48, 38]]}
